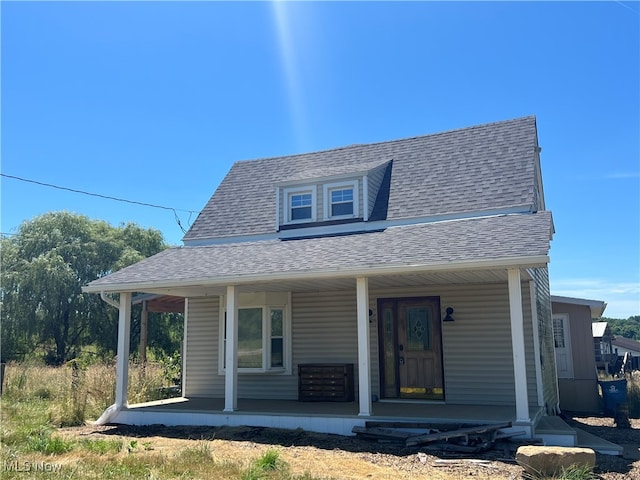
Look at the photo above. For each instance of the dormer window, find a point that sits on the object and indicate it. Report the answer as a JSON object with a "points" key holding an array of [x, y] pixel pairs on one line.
{"points": [[300, 205], [341, 200]]}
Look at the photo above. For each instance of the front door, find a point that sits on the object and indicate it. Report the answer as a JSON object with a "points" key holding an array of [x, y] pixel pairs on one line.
{"points": [[411, 348]]}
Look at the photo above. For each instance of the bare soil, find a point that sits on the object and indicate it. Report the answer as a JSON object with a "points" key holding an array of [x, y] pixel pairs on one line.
{"points": [[339, 457]]}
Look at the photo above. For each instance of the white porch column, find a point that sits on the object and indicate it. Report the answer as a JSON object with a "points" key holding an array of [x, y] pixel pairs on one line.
{"points": [[364, 360], [536, 341], [517, 346], [124, 335], [231, 354]]}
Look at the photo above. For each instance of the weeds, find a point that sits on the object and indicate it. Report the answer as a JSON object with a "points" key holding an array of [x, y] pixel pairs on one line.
{"points": [[38, 399], [101, 447], [574, 472], [266, 466], [78, 393], [269, 460], [48, 444]]}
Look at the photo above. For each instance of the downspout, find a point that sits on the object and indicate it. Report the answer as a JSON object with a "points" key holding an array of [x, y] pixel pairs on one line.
{"points": [[111, 411], [109, 300]]}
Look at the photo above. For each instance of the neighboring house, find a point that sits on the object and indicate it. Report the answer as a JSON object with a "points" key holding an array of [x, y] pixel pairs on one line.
{"points": [[605, 357], [411, 275], [575, 356], [622, 345]]}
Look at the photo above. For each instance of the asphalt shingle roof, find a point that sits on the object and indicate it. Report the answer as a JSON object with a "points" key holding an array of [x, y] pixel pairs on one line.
{"points": [[481, 168], [424, 245]]}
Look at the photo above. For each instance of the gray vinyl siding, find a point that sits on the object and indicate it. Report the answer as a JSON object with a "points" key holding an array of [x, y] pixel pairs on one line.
{"points": [[478, 361], [478, 358], [545, 328], [201, 353], [324, 330]]}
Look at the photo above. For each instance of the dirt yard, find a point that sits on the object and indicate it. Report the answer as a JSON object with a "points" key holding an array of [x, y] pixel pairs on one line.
{"points": [[332, 456]]}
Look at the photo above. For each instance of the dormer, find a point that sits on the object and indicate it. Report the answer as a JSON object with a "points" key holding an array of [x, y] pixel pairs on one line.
{"points": [[340, 195]]}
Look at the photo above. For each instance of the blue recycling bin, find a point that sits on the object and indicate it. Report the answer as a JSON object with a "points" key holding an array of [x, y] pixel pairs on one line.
{"points": [[614, 392]]}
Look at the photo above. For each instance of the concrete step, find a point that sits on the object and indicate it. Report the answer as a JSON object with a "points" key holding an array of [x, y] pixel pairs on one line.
{"points": [[555, 431], [600, 445]]}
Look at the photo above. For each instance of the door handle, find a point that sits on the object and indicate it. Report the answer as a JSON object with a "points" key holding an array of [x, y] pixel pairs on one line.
{"points": [[401, 347]]}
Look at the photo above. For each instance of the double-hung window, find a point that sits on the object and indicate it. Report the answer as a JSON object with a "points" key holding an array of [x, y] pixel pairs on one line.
{"points": [[263, 336], [300, 205], [341, 200]]}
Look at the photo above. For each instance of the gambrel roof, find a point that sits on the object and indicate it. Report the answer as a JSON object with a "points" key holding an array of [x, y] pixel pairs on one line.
{"points": [[488, 168]]}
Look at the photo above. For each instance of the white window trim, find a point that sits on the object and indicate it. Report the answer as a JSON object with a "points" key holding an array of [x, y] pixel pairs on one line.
{"points": [[267, 306], [286, 204], [328, 187]]}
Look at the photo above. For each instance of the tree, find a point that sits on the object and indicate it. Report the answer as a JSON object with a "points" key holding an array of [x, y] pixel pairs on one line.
{"points": [[44, 267], [629, 328]]}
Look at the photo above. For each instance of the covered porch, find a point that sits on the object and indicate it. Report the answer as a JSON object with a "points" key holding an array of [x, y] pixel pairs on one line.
{"points": [[231, 408]]}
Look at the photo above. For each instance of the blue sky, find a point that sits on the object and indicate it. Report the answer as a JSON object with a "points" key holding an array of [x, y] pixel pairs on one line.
{"points": [[153, 102]]}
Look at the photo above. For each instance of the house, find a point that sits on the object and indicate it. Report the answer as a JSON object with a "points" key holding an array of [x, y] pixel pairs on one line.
{"points": [[605, 357], [622, 346], [575, 356], [400, 280]]}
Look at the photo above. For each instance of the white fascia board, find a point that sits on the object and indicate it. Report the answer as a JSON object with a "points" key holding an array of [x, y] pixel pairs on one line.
{"points": [[597, 307], [361, 271]]}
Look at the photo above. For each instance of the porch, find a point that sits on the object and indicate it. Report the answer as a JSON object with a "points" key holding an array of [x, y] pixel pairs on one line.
{"points": [[322, 417]]}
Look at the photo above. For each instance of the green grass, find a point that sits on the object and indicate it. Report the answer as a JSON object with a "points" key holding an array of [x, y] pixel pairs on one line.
{"points": [[268, 465], [37, 400], [574, 472], [101, 447]]}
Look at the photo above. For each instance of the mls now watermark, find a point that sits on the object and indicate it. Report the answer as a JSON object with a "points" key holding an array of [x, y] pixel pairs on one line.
{"points": [[17, 466]]}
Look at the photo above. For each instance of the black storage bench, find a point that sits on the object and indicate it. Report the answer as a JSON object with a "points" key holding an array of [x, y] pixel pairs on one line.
{"points": [[325, 382]]}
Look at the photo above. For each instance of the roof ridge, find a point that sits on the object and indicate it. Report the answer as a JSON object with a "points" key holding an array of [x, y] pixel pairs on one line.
{"points": [[389, 142]]}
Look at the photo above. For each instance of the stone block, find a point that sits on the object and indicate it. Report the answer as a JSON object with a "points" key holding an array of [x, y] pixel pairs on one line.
{"points": [[549, 461]]}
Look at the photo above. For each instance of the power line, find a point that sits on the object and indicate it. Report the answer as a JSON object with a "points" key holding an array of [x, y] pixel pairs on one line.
{"points": [[107, 197]]}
